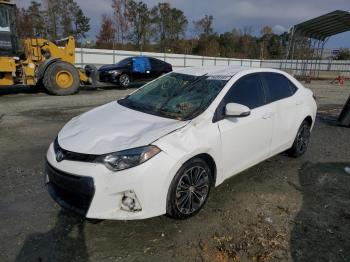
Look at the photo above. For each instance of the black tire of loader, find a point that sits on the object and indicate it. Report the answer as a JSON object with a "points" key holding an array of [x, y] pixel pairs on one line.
{"points": [[49, 79]]}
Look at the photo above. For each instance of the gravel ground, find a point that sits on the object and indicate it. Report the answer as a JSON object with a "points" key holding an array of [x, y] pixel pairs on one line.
{"points": [[283, 209]]}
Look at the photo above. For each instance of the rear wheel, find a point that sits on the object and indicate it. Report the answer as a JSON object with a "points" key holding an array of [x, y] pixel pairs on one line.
{"points": [[61, 79], [189, 189], [301, 141]]}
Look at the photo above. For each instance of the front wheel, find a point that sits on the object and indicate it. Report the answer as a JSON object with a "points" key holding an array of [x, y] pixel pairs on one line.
{"points": [[189, 189], [124, 80], [301, 141]]}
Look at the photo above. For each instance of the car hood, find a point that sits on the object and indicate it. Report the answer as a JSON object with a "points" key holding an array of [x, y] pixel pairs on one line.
{"points": [[113, 127], [110, 67]]}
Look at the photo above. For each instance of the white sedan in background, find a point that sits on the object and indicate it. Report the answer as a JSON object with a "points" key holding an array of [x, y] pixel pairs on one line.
{"points": [[162, 148]]}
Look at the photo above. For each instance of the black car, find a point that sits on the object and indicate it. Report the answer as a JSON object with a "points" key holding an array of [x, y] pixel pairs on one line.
{"points": [[134, 69]]}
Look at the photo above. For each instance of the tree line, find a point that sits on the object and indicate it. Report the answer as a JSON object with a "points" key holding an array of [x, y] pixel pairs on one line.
{"points": [[52, 19], [163, 28], [133, 25]]}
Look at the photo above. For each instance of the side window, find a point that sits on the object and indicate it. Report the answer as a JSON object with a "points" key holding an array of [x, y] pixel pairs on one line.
{"points": [[292, 87], [247, 91], [278, 86], [125, 62]]}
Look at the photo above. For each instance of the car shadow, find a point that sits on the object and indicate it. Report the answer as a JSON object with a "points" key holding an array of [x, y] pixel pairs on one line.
{"points": [[64, 242], [329, 114], [20, 89], [322, 226]]}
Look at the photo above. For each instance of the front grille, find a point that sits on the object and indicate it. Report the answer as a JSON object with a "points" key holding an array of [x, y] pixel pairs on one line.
{"points": [[105, 77], [70, 191], [73, 156]]}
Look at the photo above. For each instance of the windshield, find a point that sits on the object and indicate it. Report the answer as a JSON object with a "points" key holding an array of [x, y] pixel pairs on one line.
{"points": [[4, 19], [176, 96], [125, 62]]}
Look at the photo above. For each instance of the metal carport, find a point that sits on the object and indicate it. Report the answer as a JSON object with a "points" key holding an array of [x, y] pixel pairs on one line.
{"points": [[307, 40], [306, 44]]}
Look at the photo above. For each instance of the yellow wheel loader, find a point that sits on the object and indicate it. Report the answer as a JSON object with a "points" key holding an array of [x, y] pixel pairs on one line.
{"points": [[40, 62]]}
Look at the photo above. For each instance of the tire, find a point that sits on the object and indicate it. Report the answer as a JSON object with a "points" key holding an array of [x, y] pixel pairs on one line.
{"points": [[61, 79], [124, 80], [301, 141], [186, 197]]}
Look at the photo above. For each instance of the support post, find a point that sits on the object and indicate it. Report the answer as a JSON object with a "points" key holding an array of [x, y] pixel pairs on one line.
{"points": [[82, 56]]}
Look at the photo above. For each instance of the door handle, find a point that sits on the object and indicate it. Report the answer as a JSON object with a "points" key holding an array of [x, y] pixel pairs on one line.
{"points": [[298, 103], [267, 115]]}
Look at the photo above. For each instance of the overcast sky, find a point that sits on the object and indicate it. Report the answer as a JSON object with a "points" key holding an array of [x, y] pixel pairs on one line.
{"points": [[279, 14]]}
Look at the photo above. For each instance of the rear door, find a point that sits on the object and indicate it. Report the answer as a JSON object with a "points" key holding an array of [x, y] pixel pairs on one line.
{"points": [[157, 67], [245, 140], [280, 92]]}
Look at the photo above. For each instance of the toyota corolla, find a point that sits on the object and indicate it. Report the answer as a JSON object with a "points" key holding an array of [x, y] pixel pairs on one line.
{"points": [[163, 147]]}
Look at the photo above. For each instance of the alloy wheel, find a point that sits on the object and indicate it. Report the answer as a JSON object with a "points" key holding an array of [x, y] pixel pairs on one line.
{"points": [[192, 190], [124, 80], [303, 138]]}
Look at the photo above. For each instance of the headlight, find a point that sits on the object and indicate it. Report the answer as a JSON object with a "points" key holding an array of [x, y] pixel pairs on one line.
{"points": [[113, 72], [128, 158]]}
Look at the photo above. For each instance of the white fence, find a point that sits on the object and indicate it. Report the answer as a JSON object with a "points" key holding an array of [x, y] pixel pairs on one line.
{"points": [[101, 57]]}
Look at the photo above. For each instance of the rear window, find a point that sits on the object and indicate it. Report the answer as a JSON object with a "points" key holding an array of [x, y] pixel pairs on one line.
{"points": [[279, 87]]}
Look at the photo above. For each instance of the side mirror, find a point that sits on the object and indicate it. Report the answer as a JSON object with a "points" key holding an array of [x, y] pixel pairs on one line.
{"points": [[236, 110]]}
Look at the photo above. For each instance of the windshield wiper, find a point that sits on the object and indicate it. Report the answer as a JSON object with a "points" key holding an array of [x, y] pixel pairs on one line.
{"points": [[195, 112], [170, 114]]}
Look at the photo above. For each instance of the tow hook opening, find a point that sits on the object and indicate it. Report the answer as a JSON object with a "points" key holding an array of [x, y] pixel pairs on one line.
{"points": [[130, 202]]}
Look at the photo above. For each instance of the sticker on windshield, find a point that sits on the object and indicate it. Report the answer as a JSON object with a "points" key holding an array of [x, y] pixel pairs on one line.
{"points": [[219, 77]]}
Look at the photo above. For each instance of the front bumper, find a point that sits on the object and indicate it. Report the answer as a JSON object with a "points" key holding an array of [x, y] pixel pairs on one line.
{"points": [[70, 191], [99, 191], [107, 77]]}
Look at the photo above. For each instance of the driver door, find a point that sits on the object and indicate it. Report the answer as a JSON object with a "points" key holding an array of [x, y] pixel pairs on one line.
{"points": [[246, 140], [141, 68]]}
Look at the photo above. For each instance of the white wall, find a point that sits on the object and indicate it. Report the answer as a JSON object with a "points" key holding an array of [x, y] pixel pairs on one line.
{"points": [[100, 57]]}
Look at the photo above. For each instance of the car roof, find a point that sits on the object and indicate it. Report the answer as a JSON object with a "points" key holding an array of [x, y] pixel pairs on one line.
{"points": [[223, 70], [143, 56], [149, 57]]}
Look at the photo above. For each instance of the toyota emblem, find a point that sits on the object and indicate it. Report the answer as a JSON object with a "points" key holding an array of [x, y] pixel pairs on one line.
{"points": [[59, 156]]}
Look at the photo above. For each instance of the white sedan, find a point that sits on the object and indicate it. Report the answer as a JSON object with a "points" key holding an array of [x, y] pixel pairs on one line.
{"points": [[163, 147]]}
